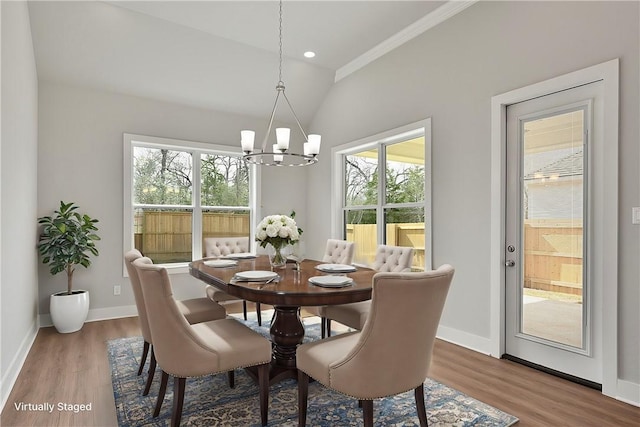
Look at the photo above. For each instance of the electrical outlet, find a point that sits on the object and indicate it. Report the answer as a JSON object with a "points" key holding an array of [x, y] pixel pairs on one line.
{"points": [[635, 215], [116, 289]]}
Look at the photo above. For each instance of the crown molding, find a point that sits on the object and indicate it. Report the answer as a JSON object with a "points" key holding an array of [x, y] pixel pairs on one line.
{"points": [[427, 22]]}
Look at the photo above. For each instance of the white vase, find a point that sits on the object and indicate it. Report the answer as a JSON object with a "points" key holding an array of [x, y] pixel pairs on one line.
{"points": [[68, 312]]}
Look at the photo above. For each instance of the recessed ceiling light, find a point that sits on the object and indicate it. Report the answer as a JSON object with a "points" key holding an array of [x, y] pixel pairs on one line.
{"points": [[309, 54]]}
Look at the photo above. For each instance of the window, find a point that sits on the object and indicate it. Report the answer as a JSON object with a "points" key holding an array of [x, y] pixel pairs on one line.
{"points": [[179, 193], [391, 208]]}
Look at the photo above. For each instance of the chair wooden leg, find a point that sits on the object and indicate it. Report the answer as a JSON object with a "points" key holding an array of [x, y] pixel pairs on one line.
{"points": [[422, 412], [263, 381], [231, 375], [303, 395], [161, 393], [145, 351], [259, 313], [152, 372], [178, 400], [244, 309], [328, 327], [367, 412], [323, 325]]}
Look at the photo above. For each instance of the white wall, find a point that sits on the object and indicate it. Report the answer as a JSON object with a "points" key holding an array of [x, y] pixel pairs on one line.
{"points": [[18, 193], [80, 159], [450, 74]]}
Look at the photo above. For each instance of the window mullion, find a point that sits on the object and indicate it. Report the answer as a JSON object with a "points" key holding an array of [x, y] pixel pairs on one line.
{"points": [[382, 176], [196, 226]]}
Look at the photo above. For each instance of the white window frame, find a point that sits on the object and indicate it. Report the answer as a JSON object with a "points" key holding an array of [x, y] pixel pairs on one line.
{"points": [[380, 141], [196, 149]]}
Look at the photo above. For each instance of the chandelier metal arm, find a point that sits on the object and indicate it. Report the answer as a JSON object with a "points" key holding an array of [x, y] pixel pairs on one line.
{"points": [[273, 113], [295, 116]]}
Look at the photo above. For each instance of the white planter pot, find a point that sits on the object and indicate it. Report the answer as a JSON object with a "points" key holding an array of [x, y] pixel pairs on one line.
{"points": [[68, 312]]}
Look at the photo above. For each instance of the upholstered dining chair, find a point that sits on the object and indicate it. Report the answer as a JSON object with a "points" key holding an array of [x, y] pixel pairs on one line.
{"points": [[391, 354], [223, 246], [185, 350], [339, 252], [336, 252], [195, 310], [394, 259]]}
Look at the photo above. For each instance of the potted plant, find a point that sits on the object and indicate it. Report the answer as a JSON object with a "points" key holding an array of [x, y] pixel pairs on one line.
{"points": [[67, 240]]}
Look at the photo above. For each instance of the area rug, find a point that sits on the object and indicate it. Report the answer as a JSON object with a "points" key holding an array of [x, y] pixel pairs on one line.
{"points": [[210, 402]]}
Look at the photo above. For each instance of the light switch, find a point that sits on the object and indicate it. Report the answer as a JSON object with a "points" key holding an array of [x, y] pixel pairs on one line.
{"points": [[635, 215]]}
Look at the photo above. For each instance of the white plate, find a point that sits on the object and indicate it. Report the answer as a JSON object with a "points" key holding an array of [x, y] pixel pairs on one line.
{"points": [[331, 281], [240, 255], [336, 268], [256, 275], [221, 263]]}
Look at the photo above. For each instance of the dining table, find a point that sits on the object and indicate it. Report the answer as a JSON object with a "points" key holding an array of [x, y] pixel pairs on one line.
{"points": [[287, 292]]}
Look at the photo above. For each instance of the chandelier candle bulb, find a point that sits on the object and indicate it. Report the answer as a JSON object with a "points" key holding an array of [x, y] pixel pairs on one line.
{"points": [[282, 137], [314, 144], [247, 138], [276, 157]]}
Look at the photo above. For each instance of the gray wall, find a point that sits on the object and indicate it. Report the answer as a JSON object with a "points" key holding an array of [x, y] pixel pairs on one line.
{"points": [[450, 74], [18, 193], [80, 159]]}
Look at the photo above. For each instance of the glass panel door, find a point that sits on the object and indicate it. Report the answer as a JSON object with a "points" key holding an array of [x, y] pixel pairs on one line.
{"points": [[553, 315]]}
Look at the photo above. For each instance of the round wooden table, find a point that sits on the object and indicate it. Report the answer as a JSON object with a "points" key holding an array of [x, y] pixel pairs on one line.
{"points": [[287, 295]]}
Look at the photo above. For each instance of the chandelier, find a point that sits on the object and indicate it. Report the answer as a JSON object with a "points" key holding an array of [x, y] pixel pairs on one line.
{"points": [[279, 154]]}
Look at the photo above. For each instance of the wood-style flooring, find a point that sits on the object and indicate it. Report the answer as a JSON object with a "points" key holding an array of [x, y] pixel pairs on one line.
{"points": [[73, 368]]}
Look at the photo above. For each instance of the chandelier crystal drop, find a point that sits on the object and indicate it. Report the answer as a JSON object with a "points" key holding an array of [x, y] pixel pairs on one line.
{"points": [[280, 154]]}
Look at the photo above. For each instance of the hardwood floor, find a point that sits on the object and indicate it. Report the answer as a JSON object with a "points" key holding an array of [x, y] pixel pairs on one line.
{"points": [[73, 369]]}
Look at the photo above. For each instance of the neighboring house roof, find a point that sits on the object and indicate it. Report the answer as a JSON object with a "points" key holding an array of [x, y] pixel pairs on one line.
{"points": [[570, 165]]}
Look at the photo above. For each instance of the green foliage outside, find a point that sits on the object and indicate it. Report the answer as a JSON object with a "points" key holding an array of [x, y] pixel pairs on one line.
{"points": [[164, 177], [404, 184]]}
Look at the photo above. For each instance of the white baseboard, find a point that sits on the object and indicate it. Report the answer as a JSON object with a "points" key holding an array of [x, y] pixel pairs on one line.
{"points": [[11, 375], [465, 339], [96, 314], [628, 392]]}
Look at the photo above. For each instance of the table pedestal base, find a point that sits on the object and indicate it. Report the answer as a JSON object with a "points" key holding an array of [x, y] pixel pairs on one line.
{"points": [[287, 332]]}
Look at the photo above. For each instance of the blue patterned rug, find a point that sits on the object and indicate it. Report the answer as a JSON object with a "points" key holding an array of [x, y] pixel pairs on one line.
{"points": [[210, 402]]}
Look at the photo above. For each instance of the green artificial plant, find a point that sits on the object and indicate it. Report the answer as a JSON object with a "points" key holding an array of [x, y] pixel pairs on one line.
{"points": [[67, 240]]}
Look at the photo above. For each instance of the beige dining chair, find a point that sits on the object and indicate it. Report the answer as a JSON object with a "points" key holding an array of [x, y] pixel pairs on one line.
{"points": [[185, 351], [336, 252], [223, 246], [391, 354], [395, 259], [195, 310], [339, 252]]}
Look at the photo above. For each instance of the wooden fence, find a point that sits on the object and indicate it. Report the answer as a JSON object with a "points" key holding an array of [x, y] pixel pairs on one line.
{"points": [[166, 236], [407, 234], [553, 255]]}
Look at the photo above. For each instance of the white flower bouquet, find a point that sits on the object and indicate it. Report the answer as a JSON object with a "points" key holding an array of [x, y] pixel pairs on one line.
{"points": [[278, 231]]}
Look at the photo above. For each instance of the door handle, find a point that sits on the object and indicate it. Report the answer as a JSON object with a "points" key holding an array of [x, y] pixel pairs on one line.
{"points": [[510, 263]]}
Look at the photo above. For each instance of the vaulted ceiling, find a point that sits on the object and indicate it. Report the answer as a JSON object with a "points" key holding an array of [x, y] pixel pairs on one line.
{"points": [[220, 55]]}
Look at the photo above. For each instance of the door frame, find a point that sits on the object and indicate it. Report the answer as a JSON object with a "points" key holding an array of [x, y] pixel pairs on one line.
{"points": [[606, 189]]}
